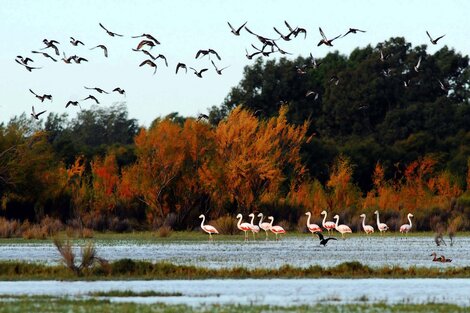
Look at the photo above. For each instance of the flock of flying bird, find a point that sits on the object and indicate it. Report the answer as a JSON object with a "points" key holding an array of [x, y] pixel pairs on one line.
{"points": [[269, 46]]}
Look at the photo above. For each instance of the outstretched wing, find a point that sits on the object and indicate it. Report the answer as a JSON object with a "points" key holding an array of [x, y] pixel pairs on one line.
{"points": [[430, 38], [320, 236], [322, 34]]}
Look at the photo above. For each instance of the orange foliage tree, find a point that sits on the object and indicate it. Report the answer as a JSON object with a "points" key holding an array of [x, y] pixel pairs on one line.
{"points": [[105, 175]]}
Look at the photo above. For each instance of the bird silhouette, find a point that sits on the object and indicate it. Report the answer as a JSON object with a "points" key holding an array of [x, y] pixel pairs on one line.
{"points": [[326, 41], [219, 71], [161, 56], [284, 37], [181, 65], [434, 41], [112, 34], [29, 68], [323, 240], [36, 115], [96, 89], [148, 36], [120, 90], [250, 56], [105, 50], [207, 52], [199, 74], [353, 31], [146, 52], [76, 42], [51, 44], [43, 97], [45, 54], [234, 31], [91, 98], [74, 103], [149, 63], [149, 43], [24, 60]]}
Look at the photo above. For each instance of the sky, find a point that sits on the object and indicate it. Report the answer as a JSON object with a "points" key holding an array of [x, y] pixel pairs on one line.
{"points": [[183, 27]]}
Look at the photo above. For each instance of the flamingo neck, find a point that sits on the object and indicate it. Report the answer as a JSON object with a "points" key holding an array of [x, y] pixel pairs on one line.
{"points": [[260, 220], [252, 219], [324, 219], [364, 222], [378, 220], [271, 224], [239, 221], [308, 220], [409, 219], [337, 221], [203, 219]]}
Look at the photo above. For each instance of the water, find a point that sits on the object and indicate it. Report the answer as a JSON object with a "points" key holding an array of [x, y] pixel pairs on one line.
{"points": [[296, 251], [281, 292]]}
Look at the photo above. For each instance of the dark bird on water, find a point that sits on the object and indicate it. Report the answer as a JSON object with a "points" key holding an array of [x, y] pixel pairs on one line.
{"points": [[112, 34], [43, 97], [148, 36], [353, 31], [181, 65], [434, 41], [96, 89], [323, 240], [234, 31], [199, 74], [441, 259], [149, 63], [92, 98], [29, 68], [326, 41], [105, 50], [36, 115]]}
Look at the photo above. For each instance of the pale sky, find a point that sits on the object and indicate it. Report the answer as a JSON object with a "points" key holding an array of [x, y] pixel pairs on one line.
{"points": [[183, 27]]}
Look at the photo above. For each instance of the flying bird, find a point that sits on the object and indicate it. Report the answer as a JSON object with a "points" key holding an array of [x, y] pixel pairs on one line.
{"points": [[43, 97], [51, 44], [326, 41], [263, 40], [112, 34], [29, 68], [207, 52], [418, 64], [161, 56], [78, 59], [149, 63], [92, 98], [434, 41], [24, 60], [147, 53], [74, 103], [67, 60], [120, 90], [323, 240], [45, 54], [105, 50], [149, 43], [300, 30], [199, 74], [353, 31], [181, 65], [284, 37], [36, 115], [250, 56], [264, 53], [76, 42], [234, 31], [202, 116], [96, 89], [219, 71], [148, 36]]}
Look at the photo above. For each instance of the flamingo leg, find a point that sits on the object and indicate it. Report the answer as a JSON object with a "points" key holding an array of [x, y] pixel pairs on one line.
{"points": [[266, 234]]}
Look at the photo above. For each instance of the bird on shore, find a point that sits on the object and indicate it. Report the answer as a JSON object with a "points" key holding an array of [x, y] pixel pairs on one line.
{"points": [[198, 74], [181, 65], [45, 54], [367, 228], [36, 115], [245, 227], [353, 31], [405, 228], [254, 228], [208, 228], [327, 225], [105, 50], [149, 63], [381, 226], [434, 41], [265, 225], [110, 33], [323, 240], [343, 229], [441, 259], [43, 97], [76, 42], [276, 229], [313, 228], [326, 41], [96, 89], [148, 36], [219, 71], [29, 68], [234, 31], [91, 98]]}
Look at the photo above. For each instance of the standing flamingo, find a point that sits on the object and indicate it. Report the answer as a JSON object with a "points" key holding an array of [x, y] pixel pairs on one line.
{"points": [[405, 228], [264, 226], [327, 225], [254, 228], [381, 226], [243, 226], [208, 228], [367, 228], [341, 228], [276, 229], [313, 228]]}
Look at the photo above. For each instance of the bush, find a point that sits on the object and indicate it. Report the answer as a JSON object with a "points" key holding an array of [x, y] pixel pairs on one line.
{"points": [[302, 225], [51, 226], [35, 232], [164, 231], [226, 225], [8, 228]]}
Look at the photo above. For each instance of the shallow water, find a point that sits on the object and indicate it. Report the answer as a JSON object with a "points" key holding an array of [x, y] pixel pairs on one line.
{"points": [[282, 292]]}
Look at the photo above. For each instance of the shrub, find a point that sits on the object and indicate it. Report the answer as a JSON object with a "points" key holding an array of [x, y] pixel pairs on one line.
{"points": [[164, 231], [302, 224], [8, 228], [35, 232], [51, 226], [225, 225], [284, 224]]}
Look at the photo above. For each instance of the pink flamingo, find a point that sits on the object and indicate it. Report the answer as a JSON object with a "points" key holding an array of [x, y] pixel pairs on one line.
{"points": [[367, 228], [243, 226], [264, 226], [313, 228], [276, 229], [327, 225], [208, 228], [405, 228], [254, 228], [381, 226], [341, 228]]}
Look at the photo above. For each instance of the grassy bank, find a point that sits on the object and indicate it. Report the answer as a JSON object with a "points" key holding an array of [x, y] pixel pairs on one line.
{"points": [[132, 269], [46, 304]]}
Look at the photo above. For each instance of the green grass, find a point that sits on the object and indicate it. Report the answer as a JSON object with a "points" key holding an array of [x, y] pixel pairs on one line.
{"points": [[130, 293], [134, 269], [59, 305]]}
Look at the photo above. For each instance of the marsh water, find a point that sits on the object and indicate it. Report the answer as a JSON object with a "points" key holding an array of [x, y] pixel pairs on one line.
{"points": [[299, 251]]}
